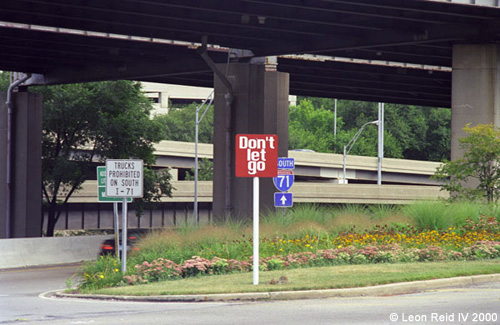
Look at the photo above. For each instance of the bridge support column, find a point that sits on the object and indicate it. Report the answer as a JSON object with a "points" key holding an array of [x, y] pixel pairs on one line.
{"points": [[475, 89], [259, 106], [26, 194]]}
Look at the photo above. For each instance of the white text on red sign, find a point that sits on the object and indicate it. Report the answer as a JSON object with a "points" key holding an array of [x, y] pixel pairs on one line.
{"points": [[256, 155]]}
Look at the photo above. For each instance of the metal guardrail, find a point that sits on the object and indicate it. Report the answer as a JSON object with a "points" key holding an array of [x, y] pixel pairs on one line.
{"points": [[303, 192]]}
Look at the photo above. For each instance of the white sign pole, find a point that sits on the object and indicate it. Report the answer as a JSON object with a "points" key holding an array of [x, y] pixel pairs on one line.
{"points": [[124, 235], [255, 230]]}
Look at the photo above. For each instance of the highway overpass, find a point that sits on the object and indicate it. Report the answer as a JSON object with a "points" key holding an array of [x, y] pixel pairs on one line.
{"points": [[314, 166], [317, 177]]}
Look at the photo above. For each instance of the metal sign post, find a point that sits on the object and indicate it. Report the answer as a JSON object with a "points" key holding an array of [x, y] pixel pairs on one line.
{"points": [[116, 223], [256, 156], [102, 198], [124, 235], [124, 179]]}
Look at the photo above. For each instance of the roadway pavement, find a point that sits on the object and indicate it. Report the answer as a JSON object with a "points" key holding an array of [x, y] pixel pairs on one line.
{"points": [[28, 295]]}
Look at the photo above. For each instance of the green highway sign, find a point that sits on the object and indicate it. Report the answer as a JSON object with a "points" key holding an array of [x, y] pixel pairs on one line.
{"points": [[101, 188]]}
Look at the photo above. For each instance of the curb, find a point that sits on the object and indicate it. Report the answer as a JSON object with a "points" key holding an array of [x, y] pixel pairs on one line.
{"points": [[380, 290]]}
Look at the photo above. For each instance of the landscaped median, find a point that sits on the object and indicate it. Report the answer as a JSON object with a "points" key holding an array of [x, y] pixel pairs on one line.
{"points": [[317, 278], [301, 254]]}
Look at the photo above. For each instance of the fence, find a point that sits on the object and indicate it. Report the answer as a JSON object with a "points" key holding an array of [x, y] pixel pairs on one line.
{"points": [[76, 216]]}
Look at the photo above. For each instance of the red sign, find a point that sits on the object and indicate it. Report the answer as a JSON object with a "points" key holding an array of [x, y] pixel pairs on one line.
{"points": [[256, 155]]}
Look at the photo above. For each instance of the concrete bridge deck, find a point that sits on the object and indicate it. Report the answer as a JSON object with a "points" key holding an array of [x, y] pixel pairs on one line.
{"points": [[317, 176], [314, 165]]}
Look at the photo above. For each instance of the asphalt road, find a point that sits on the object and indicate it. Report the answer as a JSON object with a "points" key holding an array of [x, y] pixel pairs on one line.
{"points": [[22, 301]]}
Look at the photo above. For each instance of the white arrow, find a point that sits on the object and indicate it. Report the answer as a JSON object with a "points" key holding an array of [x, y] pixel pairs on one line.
{"points": [[283, 200]]}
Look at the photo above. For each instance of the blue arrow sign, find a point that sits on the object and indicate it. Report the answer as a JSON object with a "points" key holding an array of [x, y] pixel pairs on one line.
{"points": [[283, 200], [284, 180]]}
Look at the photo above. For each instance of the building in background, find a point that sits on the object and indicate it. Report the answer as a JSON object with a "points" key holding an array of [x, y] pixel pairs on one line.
{"points": [[165, 95]]}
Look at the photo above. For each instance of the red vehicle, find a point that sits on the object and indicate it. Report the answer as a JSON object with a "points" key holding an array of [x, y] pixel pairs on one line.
{"points": [[108, 246]]}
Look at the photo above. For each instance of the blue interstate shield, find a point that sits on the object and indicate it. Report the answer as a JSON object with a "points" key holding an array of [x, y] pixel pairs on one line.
{"points": [[284, 181]]}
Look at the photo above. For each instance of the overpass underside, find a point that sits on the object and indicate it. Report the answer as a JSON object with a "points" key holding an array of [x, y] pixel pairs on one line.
{"points": [[422, 52]]}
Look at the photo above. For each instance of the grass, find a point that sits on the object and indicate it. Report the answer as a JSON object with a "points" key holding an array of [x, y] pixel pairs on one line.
{"points": [[437, 215], [346, 276]]}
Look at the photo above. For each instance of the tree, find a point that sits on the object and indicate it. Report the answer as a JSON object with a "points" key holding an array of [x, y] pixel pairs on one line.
{"points": [[4, 80], [179, 124], [156, 184], [312, 128], [477, 174], [438, 134], [418, 132], [86, 123], [205, 171]]}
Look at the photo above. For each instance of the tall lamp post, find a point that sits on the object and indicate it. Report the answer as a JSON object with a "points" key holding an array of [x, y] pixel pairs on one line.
{"points": [[380, 142], [350, 144], [205, 108]]}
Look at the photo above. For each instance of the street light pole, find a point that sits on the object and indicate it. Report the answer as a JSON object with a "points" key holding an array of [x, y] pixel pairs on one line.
{"points": [[350, 144], [335, 120], [209, 99], [380, 142]]}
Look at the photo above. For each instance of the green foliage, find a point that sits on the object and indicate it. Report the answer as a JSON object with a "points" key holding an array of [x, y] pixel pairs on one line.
{"points": [[379, 211], [477, 174], [179, 124], [438, 135], [311, 128], [157, 185], [105, 272], [429, 215], [157, 270], [411, 132], [205, 171], [473, 240], [4, 80], [87, 122], [301, 213], [437, 215], [275, 264]]}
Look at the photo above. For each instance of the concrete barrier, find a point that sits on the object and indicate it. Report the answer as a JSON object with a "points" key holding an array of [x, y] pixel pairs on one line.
{"points": [[23, 252]]}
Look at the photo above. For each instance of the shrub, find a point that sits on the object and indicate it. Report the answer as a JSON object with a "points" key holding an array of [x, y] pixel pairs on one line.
{"points": [[275, 264], [105, 272]]}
